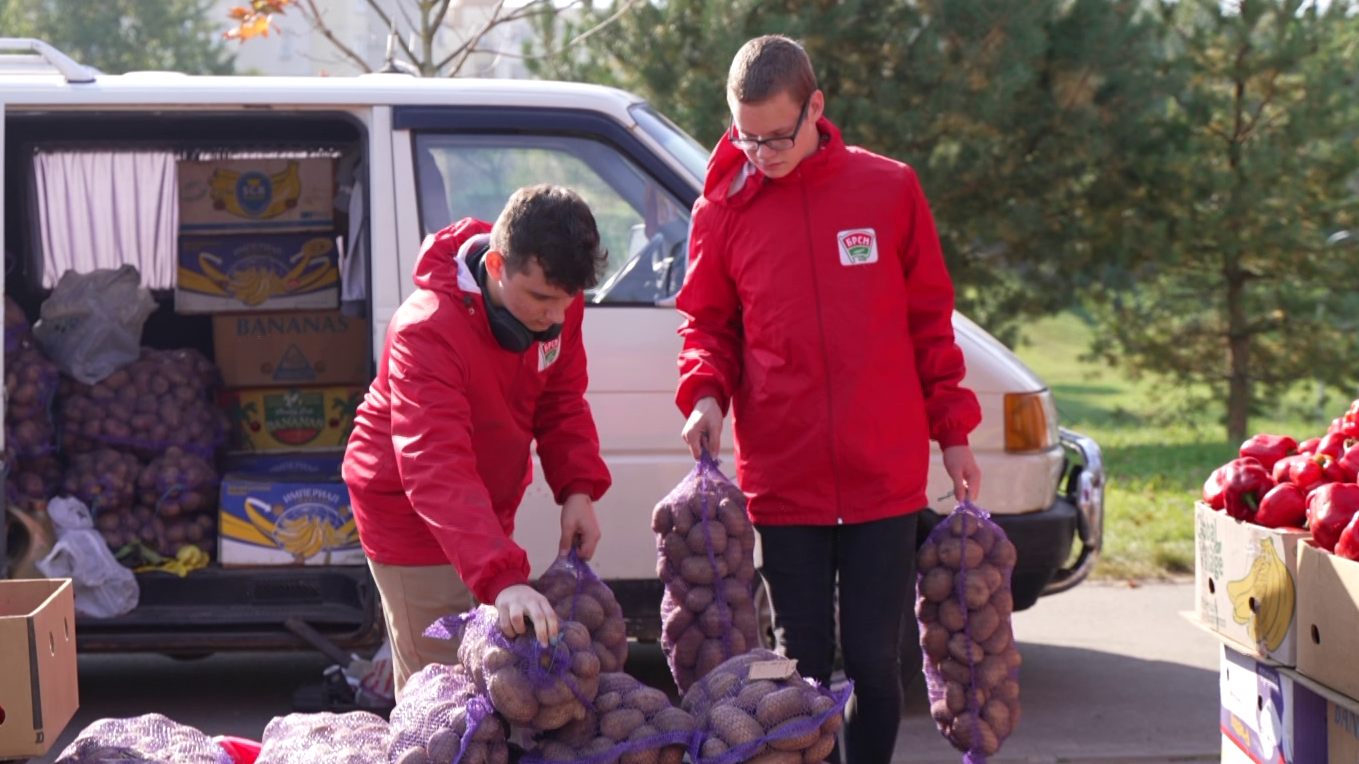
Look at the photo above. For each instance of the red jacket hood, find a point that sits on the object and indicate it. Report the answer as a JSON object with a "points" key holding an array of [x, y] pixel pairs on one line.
{"points": [[442, 265], [733, 180]]}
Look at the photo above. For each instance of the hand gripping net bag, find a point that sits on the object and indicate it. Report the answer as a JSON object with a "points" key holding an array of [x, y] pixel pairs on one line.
{"points": [[355, 737], [442, 718], [963, 607], [756, 705], [631, 724], [146, 739], [705, 547], [577, 594], [538, 687]]}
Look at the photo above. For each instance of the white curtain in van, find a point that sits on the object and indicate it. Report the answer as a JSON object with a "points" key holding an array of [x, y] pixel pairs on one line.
{"points": [[104, 209]]}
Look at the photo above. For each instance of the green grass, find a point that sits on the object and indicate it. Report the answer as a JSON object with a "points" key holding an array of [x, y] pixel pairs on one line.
{"points": [[1156, 459]]}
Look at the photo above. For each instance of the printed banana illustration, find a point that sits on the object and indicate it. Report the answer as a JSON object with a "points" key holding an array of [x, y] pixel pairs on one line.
{"points": [[1264, 598], [302, 536], [283, 190]]}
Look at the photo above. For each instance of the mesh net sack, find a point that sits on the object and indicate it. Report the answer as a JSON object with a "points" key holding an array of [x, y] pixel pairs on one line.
{"points": [[442, 718], [176, 483], [18, 331], [705, 548], [31, 383], [539, 687], [33, 480], [577, 594], [104, 479], [146, 739], [963, 607], [755, 705], [354, 737], [631, 724], [162, 399]]}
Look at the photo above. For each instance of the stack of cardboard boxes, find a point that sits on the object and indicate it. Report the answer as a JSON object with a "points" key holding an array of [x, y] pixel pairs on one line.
{"points": [[1287, 615], [258, 251]]}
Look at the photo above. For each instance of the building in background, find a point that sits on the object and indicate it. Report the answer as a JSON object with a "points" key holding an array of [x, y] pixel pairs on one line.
{"points": [[296, 49]]}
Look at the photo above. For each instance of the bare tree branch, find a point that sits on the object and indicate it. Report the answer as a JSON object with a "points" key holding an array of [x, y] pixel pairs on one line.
{"points": [[471, 44], [578, 38], [320, 25], [440, 12], [387, 25]]}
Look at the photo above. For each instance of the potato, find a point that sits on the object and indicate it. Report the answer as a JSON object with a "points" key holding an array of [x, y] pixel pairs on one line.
{"points": [[662, 522], [958, 554], [707, 536], [711, 654], [967, 729], [926, 612], [512, 695], [963, 649], [934, 640], [699, 598], [819, 750], [997, 714], [1004, 555], [991, 671], [999, 641], [555, 716], [951, 615], [671, 719], [781, 705], [776, 757], [795, 734], [712, 747], [975, 591], [698, 570], [734, 726], [927, 556], [649, 700], [981, 624], [687, 647], [675, 549], [937, 584], [1003, 602]]}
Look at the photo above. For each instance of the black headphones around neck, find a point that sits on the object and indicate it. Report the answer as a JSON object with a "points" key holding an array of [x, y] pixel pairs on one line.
{"points": [[509, 331]]}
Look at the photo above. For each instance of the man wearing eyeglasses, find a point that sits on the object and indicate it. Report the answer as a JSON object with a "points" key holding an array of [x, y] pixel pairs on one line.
{"points": [[818, 309]]}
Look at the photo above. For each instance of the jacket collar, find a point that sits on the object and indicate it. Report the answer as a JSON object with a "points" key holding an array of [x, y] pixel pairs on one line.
{"points": [[732, 179]]}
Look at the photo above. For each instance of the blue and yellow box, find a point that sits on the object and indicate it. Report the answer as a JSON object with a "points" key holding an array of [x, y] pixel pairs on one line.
{"points": [[282, 511], [219, 274], [257, 195]]}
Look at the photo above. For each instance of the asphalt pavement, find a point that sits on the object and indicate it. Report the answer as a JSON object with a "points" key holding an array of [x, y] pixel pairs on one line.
{"points": [[1112, 674]]}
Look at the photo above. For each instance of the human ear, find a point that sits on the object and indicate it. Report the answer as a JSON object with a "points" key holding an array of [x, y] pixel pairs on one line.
{"points": [[816, 107], [495, 264]]}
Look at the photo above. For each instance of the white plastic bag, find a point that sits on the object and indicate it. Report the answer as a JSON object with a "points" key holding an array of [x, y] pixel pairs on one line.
{"points": [[103, 588], [374, 686], [91, 326]]}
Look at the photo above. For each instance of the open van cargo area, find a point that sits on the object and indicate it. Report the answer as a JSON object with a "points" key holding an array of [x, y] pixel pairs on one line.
{"points": [[242, 237]]}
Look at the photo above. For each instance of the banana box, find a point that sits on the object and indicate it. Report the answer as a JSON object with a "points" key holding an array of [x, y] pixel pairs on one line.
{"points": [[39, 687], [1267, 716], [250, 272], [257, 195], [1328, 620], [270, 516], [273, 419], [1245, 586]]}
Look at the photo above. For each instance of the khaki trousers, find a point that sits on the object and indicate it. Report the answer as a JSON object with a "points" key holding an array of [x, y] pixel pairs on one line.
{"points": [[413, 597]]}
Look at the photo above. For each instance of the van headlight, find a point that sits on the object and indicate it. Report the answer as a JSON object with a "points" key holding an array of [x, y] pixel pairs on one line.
{"points": [[1030, 421]]}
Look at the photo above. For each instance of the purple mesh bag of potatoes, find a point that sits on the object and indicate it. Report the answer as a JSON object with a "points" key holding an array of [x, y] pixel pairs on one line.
{"points": [[963, 607]]}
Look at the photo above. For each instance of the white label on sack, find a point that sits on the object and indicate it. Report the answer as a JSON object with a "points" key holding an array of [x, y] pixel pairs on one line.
{"points": [[779, 669]]}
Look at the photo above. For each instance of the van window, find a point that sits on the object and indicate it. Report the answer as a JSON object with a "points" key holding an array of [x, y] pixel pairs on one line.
{"points": [[643, 226]]}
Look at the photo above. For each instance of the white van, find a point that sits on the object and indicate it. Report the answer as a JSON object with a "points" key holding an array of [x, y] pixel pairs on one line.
{"points": [[428, 152]]}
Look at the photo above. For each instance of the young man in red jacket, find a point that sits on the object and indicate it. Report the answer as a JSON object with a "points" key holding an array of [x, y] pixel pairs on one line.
{"points": [[485, 358], [817, 307]]}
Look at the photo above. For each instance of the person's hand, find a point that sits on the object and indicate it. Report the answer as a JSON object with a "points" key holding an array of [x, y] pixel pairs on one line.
{"points": [[962, 467], [704, 428], [521, 601], [579, 527]]}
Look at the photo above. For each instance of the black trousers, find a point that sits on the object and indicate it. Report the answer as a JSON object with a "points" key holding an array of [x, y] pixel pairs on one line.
{"points": [[874, 563]]}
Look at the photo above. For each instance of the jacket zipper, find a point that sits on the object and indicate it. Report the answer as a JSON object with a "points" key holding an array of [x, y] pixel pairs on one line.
{"points": [[825, 352]]}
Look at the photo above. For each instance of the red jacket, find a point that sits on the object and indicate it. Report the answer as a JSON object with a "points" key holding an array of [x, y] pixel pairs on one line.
{"points": [[439, 457], [818, 306]]}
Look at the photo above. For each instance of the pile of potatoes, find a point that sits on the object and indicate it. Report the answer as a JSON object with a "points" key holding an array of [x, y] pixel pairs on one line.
{"points": [[149, 739], [162, 399], [140, 525], [18, 332], [577, 594], [31, 383], [964, 608], [104, 479], [355, 737], [33, 480], [705, 558], [541, 688], [178, 483], [631, 724], [762, 721], [430, 723]]}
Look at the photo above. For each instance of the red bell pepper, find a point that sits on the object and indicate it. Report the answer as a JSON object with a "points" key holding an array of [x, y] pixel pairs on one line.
{"points": [[1284, 506], [1215, 488], [1245, 483], [1329, 509], [1268, 449], [1347, 466], [1333, 445], [1348, 545], [1309, 446], [1311, 474], [1349, 424], [1281, 470]]}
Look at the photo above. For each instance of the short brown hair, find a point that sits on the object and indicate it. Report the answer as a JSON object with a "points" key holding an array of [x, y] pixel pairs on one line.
{"points": [[553, 225], [767, 66]]}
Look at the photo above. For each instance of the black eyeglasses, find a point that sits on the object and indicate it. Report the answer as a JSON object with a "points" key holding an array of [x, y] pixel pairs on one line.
{"points": [[777, 143]]}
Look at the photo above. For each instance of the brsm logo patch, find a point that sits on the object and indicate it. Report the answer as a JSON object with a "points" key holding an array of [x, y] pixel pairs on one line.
{"points": [[858, 246]]}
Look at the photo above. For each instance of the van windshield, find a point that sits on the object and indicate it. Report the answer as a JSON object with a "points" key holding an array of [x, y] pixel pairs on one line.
{"points": [[680, 144]]}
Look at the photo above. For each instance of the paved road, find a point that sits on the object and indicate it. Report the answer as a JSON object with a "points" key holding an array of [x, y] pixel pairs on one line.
{"points": [[1112, 675]]}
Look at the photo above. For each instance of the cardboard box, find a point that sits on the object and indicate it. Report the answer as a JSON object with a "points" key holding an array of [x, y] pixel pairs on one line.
{"points": [[38, 687], [292, 348], [1342, 734], [1328, 619], [277, 517], [264, 272], [324, 466], [1267, 716], [257, 195], [1244, 578], [291, 418]]}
